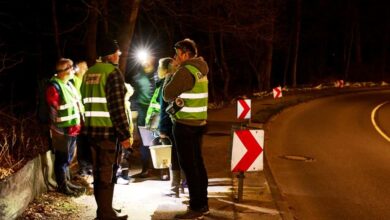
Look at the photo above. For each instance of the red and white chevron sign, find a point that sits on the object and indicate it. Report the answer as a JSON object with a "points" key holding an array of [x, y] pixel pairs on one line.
{"points": [[244, 109], [247, 152], [277, 91]]}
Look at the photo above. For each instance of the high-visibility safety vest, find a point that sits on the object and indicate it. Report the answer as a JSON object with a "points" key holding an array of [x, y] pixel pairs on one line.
{"points": [[154, 106], [196, 99], [68, 112], [94, 96]]}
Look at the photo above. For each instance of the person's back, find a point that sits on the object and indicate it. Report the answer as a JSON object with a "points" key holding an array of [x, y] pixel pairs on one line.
{"points": [[106, 124]]}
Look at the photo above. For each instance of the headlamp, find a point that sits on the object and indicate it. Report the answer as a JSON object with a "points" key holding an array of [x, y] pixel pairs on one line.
{"points": [[143, 56]]}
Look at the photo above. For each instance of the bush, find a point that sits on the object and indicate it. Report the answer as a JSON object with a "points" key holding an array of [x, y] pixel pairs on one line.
{"points": [[21, 139]]}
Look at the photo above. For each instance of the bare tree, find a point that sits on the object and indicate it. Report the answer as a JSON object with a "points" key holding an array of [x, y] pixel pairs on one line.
{"points": [[8, 61], [296, 43], [131, 8]]}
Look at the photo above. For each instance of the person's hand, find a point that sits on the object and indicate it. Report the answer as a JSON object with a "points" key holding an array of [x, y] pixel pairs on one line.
{"points": [[162, 135], [128, 143]]}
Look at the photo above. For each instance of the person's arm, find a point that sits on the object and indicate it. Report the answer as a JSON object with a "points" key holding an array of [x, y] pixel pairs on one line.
{"points": [[52, 96], [182, 80], [115, 92]]}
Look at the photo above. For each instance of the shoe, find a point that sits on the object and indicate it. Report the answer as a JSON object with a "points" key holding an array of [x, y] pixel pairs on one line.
{"points": [[205, 210], [67, 191], [143, 174], [172, 193], [190, 214], [122, 181], [118, 217], [76, 188]]}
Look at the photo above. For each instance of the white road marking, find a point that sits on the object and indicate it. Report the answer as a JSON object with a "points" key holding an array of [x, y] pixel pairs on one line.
{"points": [[255, 208]]}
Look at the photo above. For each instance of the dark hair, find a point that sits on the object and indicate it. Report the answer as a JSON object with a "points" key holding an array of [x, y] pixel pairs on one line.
{"points": [[187, 45]]}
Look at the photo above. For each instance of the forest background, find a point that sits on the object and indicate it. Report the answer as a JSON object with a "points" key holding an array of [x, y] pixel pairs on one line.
{"points": [[250, 46]]}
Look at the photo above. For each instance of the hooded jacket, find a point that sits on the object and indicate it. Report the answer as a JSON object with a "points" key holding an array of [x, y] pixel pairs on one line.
{"points": [[183, 80]]}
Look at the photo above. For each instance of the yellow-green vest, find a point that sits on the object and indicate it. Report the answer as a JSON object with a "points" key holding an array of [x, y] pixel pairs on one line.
{"points": [[154, 106], [196, 99], [68, 112], [94, 96]]}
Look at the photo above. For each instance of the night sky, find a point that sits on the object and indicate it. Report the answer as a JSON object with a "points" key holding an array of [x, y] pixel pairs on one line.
{"points": [[337, 40]]}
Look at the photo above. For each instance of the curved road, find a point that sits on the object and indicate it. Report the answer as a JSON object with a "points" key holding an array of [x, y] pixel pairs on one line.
{"points": [[328, 159]]}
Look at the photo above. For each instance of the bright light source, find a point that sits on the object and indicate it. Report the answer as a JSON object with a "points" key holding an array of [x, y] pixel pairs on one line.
{"points": [[143, 56]]}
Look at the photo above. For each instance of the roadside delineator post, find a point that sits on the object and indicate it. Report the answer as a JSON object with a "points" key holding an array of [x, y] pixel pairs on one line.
{"points": [[247, 148]]}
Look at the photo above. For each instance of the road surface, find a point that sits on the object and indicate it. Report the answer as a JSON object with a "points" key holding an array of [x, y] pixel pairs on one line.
{"points": [[330, 157]]}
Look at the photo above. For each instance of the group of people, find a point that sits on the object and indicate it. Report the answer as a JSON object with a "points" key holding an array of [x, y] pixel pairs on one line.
{"points": [[95, 114]]}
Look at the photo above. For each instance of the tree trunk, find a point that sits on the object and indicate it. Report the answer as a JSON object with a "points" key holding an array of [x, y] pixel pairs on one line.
{"points": [[91, 33], [225, 69], [212, 58], [296, 46], [55, 29], [127, 34], [268, 58]]}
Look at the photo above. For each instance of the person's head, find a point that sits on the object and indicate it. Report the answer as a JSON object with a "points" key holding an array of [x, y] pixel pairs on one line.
{"points": [[82, 68], [165, 67], [65, 69], [184, 50], [109, 51], [149, 65]]}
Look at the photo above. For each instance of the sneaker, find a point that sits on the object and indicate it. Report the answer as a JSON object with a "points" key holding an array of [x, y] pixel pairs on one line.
{"points": [[190, 214], [122, 181]]}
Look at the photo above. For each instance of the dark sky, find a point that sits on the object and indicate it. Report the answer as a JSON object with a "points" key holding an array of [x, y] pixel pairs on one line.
{"points": [[219, 27]]}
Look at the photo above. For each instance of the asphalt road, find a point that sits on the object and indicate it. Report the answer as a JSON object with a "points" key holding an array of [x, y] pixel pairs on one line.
{"points": [[328, 159]]}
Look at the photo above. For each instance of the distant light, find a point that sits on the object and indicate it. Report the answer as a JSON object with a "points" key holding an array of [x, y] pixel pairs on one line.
{"points": [[143, 56]]}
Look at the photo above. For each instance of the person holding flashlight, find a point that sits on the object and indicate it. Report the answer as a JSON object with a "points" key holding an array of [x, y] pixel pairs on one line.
{"points": [[188, 87], [106, 125]]}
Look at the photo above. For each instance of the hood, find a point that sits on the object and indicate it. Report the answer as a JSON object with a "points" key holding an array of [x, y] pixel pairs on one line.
{"points": [[199, 63]]}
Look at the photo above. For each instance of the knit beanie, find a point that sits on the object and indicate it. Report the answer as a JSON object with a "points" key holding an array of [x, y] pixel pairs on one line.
{"points": [[107, 47]]}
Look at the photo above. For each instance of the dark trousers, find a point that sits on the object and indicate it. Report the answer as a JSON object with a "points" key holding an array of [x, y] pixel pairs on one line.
{"points": [[84, 155], [103, 157], [174, 158], [146, 158], [188, 141], [64, 150]]}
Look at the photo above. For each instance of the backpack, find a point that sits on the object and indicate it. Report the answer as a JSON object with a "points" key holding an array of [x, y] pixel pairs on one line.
{"points": [[42, 107]]}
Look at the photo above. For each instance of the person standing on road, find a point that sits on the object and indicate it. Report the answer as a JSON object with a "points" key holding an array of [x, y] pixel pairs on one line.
{"points": [[164, 70], [84, 157], [106, 124], [144, 86], [189, 86], [65, 109]]}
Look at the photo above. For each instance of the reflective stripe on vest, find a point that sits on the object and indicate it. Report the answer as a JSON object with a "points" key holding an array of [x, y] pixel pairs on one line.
{"points": [[68, 112], [154, 106], [93, 90], [196, 99]]}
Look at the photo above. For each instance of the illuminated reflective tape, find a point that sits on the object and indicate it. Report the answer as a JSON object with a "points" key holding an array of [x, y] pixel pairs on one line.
{"points": [[94, 100], [155, 105], [66, 106], [194, 109], [97, 114], [194, 95], [68, 118]]}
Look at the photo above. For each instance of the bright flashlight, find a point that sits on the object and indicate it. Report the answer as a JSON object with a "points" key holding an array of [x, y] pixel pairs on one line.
{"points": [[143, 56]]}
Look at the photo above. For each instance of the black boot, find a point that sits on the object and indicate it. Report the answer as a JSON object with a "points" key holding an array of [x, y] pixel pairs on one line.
{"points": [[103, 197], [63, 188], [76, 188]]}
